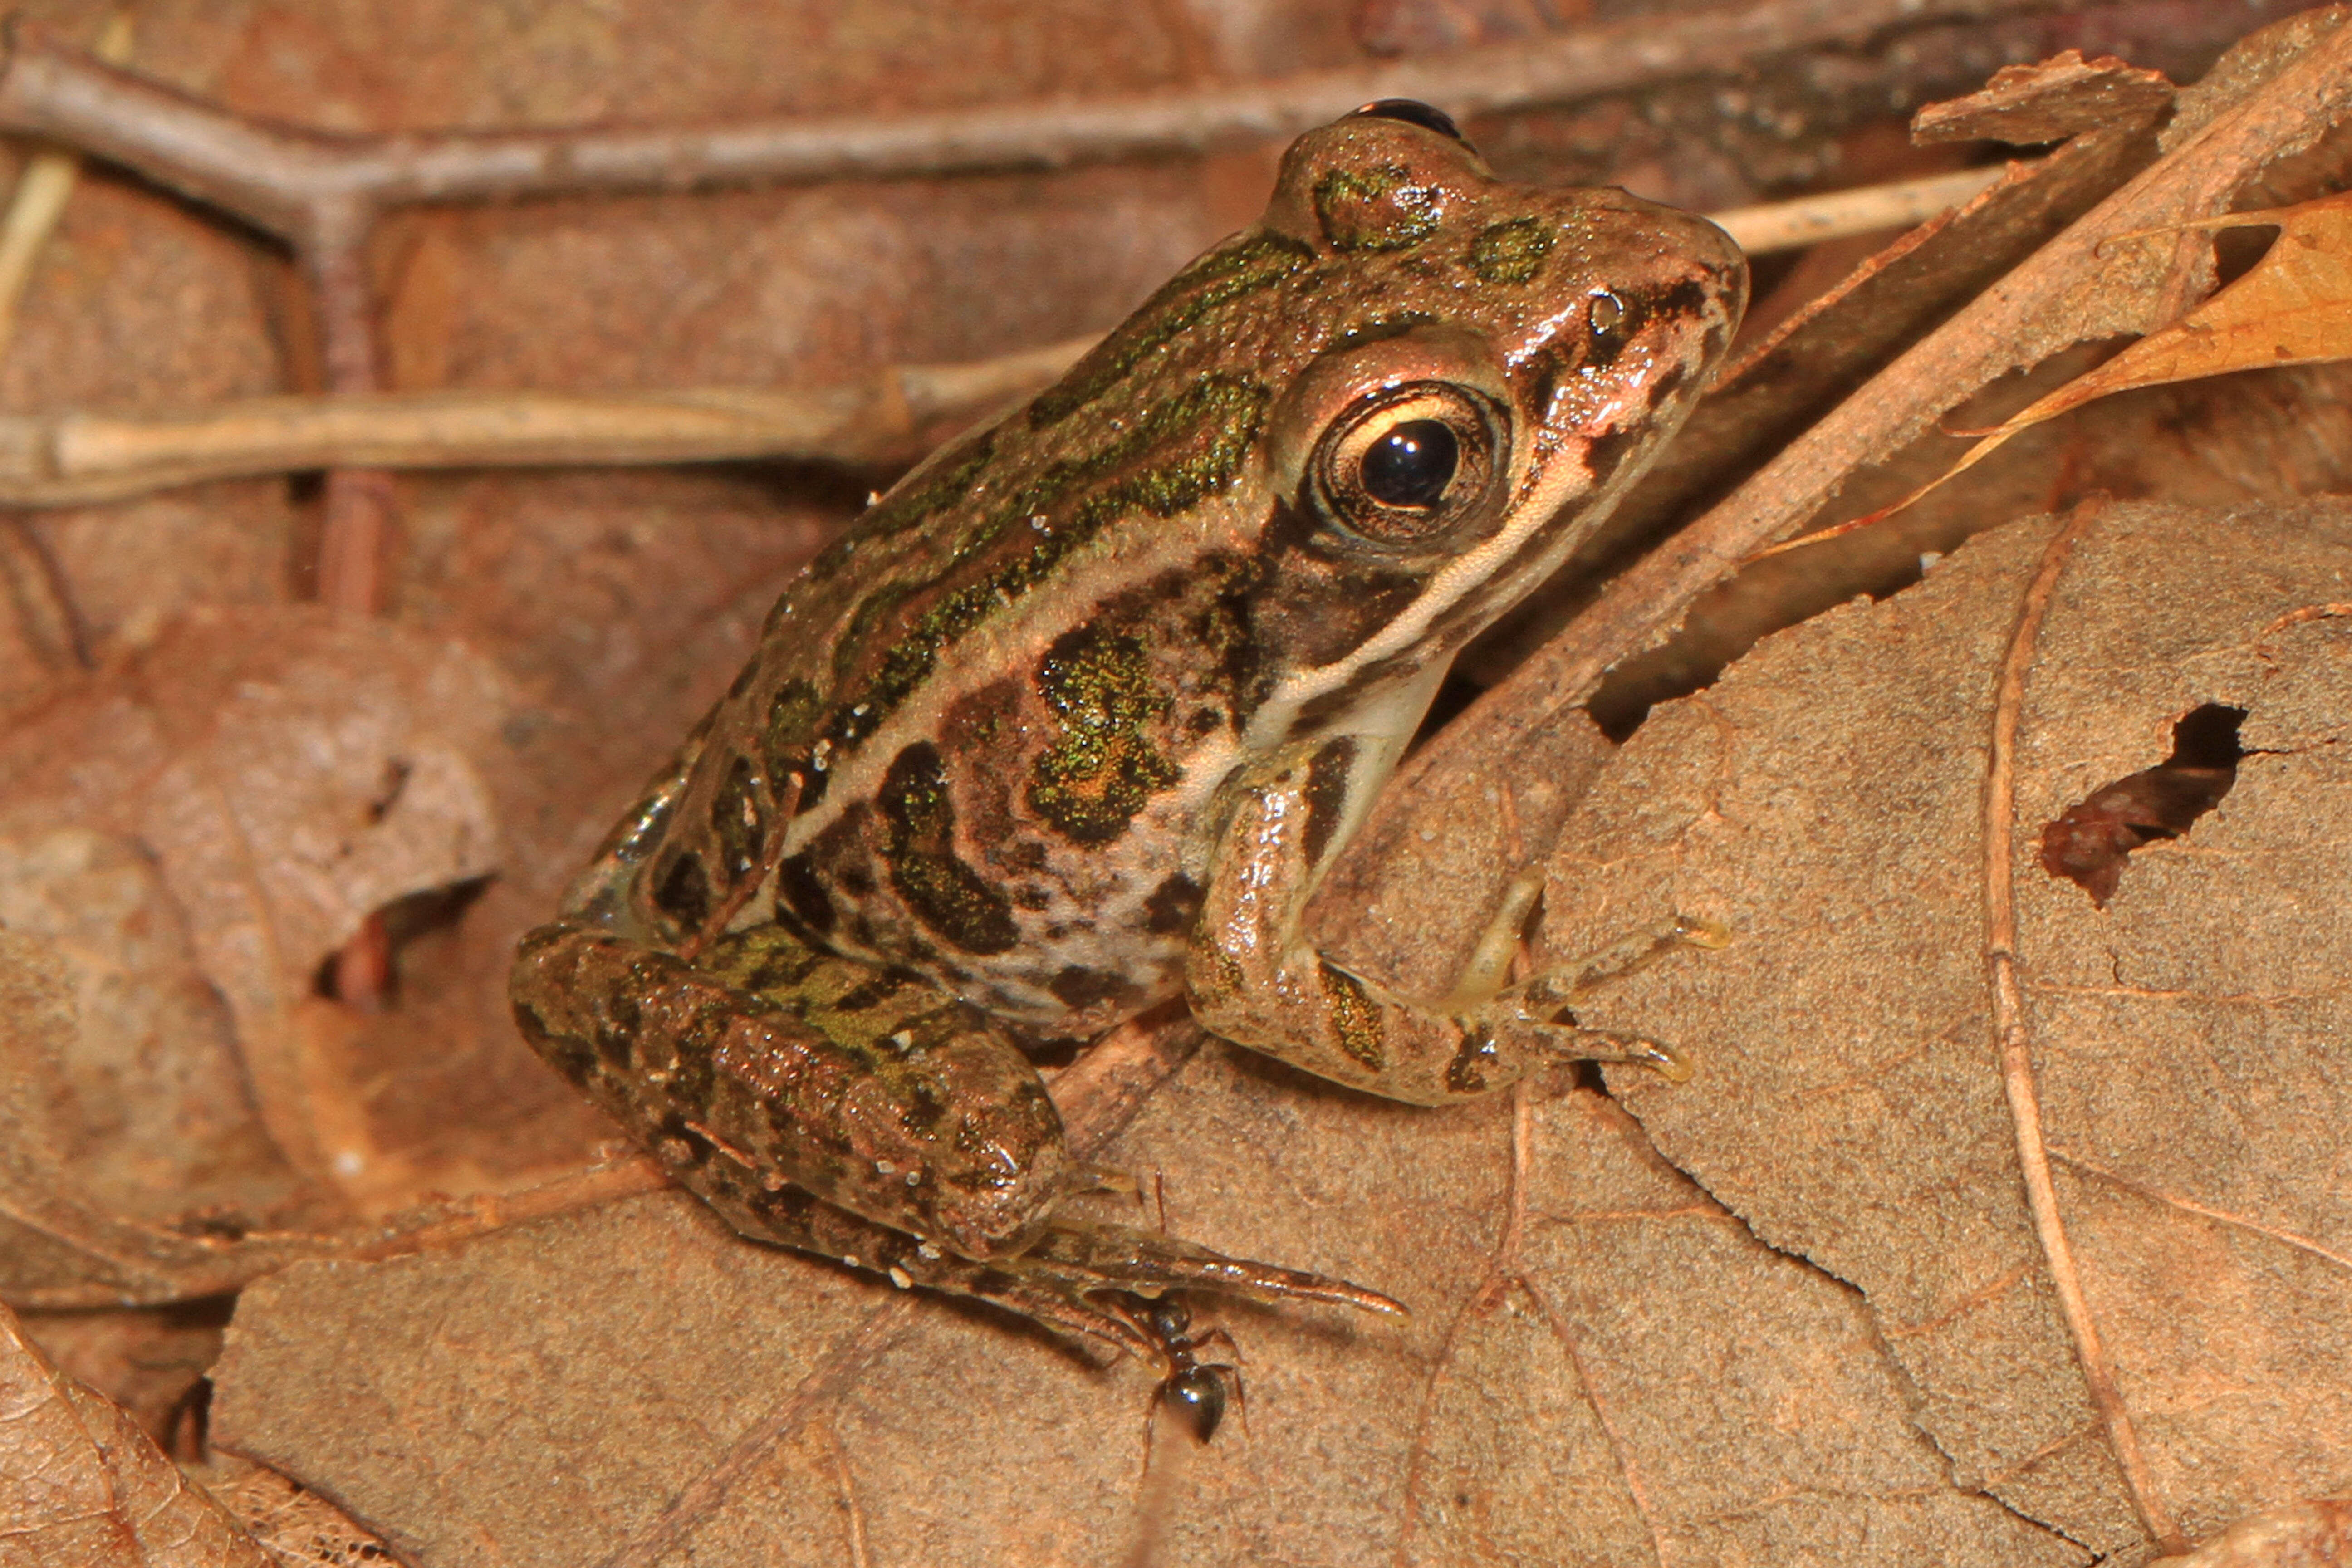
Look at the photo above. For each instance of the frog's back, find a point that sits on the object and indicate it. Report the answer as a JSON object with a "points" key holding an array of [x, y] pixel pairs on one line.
{"points": [[983, 730]]}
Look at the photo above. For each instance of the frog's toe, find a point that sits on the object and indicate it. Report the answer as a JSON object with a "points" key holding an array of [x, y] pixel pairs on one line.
{"points": [[1082, 1281], [1145, 1263], [1568, 1043], [1059, 1301]]}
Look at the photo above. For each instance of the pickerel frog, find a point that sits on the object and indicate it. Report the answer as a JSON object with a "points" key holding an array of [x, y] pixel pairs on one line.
{"points": [[1074, 719]]}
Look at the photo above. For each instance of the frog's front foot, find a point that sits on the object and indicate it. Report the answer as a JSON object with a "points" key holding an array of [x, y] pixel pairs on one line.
{"points": [[1538, 1015]]}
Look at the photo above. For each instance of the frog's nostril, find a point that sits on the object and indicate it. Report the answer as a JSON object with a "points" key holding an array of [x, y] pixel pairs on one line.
{"points": [[1412, 111]]}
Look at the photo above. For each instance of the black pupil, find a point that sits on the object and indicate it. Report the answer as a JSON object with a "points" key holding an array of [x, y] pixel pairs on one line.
{"points": [[1412, 464], [1412, 111]]}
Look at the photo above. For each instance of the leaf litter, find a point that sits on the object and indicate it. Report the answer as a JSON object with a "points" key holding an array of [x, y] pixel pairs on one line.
{"points": [[1826, 799], [2293, 308], [186, 838], [1605, 1354]]}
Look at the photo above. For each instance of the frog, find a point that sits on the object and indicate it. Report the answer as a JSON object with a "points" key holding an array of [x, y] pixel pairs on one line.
{"points": [[1072, 721]]}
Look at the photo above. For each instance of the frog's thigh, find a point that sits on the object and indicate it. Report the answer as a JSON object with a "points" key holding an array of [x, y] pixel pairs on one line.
{"points": [[1256, 979], [771, 1064]]}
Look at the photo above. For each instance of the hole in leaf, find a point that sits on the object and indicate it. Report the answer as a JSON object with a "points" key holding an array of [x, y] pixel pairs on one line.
{"points": [[2089, 841], [403, 921]]}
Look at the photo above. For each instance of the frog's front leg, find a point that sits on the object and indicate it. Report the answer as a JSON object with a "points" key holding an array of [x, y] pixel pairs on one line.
{"points": [[822, 1104], [1256, 979]]}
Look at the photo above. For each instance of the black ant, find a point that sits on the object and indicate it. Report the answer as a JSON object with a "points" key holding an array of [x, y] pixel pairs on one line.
{"points": [[1196, 1389]]}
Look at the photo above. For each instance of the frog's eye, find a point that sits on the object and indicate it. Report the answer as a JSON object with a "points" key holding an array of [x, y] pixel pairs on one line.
{"points": [[1411, 112], [1408, 464]]}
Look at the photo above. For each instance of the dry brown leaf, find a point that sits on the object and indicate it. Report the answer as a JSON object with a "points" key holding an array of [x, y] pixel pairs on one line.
{"points": [[81, 1487], [2063, 96], [2293, 307], [1602, 1366], [299, 1528], [58, 1245], [182, 842], [151, 1361], [2300, 1535], [2183, 1046]]}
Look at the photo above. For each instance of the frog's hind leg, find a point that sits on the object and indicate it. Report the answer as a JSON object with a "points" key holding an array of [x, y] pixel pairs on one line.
{"points": [[1077, 1280], [875, 1092], [867, 1117]]}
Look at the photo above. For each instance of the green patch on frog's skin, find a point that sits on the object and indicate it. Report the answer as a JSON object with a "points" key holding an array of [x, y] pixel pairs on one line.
{"points": [[1187, 446], [1512, 251], [1090, 783], [1378, 208], [772, 961], [1355, 1017], [935, 490], [1230, 272], [935, 493], [793, 715], [944, 893], [889, 1018]]}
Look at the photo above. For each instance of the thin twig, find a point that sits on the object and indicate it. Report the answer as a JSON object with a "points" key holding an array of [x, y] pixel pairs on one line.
{"points": [[361, 510], [2014, 1036], [70, 459], [1866, 209], [40, 198], [283, 179], [71, 622], [592, 1186]]}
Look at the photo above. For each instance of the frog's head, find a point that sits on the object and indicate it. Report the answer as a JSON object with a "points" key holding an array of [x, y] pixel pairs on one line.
{"points": [[1487, 366], [1429, 386]]}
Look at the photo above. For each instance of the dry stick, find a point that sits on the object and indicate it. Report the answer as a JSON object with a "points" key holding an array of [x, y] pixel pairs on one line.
{"points": [[73, 457], [280, 177], [39, 200], [34, 208], [70, 459], [362, 507], [2011, 322], [1865, 209], [2014, 1037]]}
